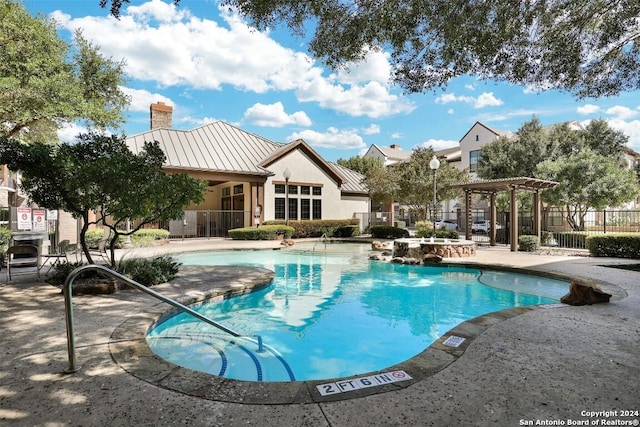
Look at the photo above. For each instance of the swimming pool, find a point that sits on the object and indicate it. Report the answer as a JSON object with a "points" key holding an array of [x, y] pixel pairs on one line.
{"points": [[335, 314]]}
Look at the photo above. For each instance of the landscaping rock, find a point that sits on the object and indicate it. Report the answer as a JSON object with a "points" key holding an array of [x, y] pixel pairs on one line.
{"points": [[584, 295]]}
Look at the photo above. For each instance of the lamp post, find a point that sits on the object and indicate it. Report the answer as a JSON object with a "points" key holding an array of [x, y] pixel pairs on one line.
{"points": [[434, 164], [287, 175]]}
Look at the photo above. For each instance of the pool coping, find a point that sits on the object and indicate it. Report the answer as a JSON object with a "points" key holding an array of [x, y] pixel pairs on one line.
{"points": [[129, 349]]}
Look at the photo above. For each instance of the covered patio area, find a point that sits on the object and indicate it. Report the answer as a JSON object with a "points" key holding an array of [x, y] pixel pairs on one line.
{"points": [[491, 188]]}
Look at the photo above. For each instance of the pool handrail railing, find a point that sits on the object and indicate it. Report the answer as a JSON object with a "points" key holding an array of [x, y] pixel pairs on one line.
{"points": [[68, 306]]}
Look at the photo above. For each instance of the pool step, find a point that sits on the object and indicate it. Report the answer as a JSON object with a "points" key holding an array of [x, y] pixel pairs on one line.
{"points": [[242, 358]]}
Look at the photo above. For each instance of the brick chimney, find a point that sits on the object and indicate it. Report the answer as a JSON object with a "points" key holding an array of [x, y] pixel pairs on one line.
{"points": [[394, 146], [160, 115]]}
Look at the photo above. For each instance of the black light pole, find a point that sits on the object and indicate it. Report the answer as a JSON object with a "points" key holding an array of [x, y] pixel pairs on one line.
{"points": [[287, 175], [434, 164]]}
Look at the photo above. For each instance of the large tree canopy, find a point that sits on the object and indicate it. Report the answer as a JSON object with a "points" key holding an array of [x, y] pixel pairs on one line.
{"points": [[99, 174], [44, 82], [588, 47]]}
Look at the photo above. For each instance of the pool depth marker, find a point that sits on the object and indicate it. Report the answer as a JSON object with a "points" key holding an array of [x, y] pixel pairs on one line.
{"points": [[362, 382]]}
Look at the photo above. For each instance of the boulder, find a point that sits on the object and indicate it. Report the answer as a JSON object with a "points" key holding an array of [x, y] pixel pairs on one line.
{"points": [[584, 295], [431, 259]]}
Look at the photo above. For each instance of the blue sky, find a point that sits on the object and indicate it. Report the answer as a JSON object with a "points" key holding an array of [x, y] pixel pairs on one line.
{"points": [[210, 65]]}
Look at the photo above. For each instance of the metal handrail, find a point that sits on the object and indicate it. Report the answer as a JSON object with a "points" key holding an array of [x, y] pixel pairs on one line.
{"points": [[68, 306]]}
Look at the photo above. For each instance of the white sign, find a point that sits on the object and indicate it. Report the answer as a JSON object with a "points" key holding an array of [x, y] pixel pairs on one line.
{"points": [[362, 382], [24, 218], [453, 341], [39, 222], [52, 214]]}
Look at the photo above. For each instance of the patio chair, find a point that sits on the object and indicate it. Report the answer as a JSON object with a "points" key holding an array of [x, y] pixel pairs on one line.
{"points": [[58, 256], [19, 256]]}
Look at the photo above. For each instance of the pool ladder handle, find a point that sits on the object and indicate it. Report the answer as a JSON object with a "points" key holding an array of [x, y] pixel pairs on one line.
{"points": [[68, 308], [323, 239]]}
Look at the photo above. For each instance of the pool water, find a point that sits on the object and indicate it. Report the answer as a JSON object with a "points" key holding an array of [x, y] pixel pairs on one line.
{"points": [[335, 314]]}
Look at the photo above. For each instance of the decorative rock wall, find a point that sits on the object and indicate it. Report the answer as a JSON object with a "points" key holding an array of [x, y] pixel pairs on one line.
{"points": [[420, 250]]}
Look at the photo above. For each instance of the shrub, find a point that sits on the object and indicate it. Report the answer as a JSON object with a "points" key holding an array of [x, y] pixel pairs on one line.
{"points": [[142, 237], [621, 245], [388, 232], [264, 232], [425, 229], [546, 237], [316, 227], [347, 231], [61, 270], [149, 271], [5, 240], [528, 243]]}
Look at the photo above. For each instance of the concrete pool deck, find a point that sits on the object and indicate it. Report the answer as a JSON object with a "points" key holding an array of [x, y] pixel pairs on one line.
{"points": [[554, 364]]}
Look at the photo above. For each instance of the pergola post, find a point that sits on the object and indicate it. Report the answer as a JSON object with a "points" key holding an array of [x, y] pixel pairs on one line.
{"points": [[514, 219], [467, 210], [493, 217], [537, 217]]}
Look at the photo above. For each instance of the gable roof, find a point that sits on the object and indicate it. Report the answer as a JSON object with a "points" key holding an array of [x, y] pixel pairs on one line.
{"points": [[221, 147], [496, 132], [390, 153], [217, 146]]}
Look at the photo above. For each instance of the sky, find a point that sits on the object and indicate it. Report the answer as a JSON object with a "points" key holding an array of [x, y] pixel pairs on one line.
{"points": [[209, 64]]}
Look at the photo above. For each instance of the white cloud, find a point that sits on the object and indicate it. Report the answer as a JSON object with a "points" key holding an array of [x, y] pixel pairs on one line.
{"points": [[469, 87], [332, 138], [372, 129], [142, 99], [588, 109], [273, 115], [439, 144], [629, 128], [486, 99], [70, 131], [622, 113], [450, 111], [396, 135], [167, 45]]}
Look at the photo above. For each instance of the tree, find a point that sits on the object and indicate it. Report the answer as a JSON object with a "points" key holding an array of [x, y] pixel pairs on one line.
{"points": [[587, 180], [100, 174], [518, 156], [588, 47], [361, 164], [415, 181], [44, 82]]}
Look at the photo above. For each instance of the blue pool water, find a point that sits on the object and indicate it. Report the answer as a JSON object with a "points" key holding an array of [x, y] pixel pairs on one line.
{"points": [[334, 314]]}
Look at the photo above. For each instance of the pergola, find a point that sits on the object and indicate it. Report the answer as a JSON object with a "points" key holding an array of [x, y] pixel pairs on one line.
{"points": [[492, 187]]}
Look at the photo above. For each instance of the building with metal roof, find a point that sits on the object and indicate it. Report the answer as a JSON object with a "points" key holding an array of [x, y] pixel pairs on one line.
{"points": [[250, 178]]}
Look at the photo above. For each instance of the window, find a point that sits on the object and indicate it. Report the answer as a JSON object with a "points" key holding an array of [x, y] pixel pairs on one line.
{"points": [[279, 188], [473, 160], [305, 208], [293, 189], [477, 137], [293, 209], [226, 191], [317, 209], [279, 208], [305, 189], [317, 191], [238, 189]]}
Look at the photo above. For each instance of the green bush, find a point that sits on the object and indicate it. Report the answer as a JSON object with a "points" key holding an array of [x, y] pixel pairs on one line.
{"points": [[571, 239], [347, 231], [425, 229], [546, 237], [149, 271], [316, 227], [264, 232], [620, 245], [388, 232], [142, 237], [528, 243], [5, 240]]}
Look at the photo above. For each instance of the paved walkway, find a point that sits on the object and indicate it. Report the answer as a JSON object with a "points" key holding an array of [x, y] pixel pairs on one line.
{"points": [[554, 364]]}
